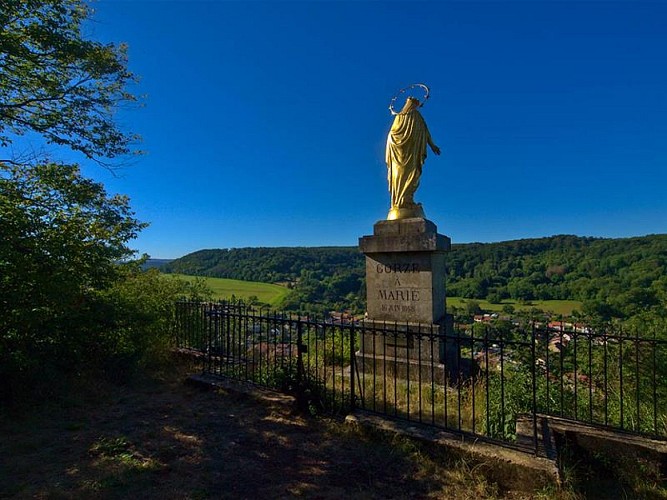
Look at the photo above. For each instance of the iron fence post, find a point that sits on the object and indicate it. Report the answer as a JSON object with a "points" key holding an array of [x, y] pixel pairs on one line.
{"points": [[352, 368], [209, 340], [533, 372], [299, 361]]}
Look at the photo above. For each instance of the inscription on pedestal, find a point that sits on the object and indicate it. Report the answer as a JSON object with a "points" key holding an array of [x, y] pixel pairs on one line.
{"points": [[405, 271], [398, 298], [400, 287]]}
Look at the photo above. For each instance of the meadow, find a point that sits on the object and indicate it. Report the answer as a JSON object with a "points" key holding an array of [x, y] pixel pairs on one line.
{"points": [[268, 293], [564, 307], [223, 288]]}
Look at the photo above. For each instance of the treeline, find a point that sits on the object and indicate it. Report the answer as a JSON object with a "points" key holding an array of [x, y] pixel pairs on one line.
{"points": [[613, 277], [269, 265]]}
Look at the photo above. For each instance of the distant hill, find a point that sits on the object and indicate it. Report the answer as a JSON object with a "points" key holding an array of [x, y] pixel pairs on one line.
{"points": [[619, 272], [150, 263], [621, 276], [269, 265]]}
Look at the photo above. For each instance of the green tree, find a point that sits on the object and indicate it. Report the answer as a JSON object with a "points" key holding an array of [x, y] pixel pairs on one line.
{"points": [[596, 310], [520, 289], [58, 84], [131, 321], [494, 298], [508, 309], [473, 307], [63, 237]]}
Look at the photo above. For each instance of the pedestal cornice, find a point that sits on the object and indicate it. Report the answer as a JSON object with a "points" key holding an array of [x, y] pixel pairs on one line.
{"points": [[404, 235]]}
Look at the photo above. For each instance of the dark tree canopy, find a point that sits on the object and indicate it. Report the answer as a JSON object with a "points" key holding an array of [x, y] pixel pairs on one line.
{"points": [[58, 84], [62, 237], [67, 299]]}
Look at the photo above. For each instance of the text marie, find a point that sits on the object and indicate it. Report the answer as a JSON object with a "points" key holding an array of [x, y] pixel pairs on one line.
{"points": [[399, 295]]}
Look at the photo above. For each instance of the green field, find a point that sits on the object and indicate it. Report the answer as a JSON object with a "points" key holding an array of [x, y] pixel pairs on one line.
{"points": [[564, 307], [223, 288], [271, 294]]}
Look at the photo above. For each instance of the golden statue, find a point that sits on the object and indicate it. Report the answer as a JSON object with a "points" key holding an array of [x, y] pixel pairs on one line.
{"points": [[405, 155]]}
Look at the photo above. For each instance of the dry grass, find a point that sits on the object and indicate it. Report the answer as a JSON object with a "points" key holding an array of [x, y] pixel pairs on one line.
{"points": [[160, 438]]}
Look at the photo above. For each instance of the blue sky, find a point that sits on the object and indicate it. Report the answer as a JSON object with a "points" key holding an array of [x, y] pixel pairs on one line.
{"points": [[265, 123]]}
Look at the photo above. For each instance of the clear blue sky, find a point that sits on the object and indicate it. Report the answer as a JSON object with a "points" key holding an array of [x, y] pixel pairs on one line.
{"points": [[265, 123]]}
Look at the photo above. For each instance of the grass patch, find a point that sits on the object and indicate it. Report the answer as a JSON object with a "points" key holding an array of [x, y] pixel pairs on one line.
{"points": [[564, 307], [121, 452], [224, 288]]}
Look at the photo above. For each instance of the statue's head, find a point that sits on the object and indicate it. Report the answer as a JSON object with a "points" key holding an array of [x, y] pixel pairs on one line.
{"points": [[410, 104]]}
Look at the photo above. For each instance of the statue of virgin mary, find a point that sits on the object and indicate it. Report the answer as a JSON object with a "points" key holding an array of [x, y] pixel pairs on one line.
{"points": [[405, 155]]}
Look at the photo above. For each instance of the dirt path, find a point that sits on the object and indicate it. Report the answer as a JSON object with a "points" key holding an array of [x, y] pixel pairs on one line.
{"points": [[161, 438]]}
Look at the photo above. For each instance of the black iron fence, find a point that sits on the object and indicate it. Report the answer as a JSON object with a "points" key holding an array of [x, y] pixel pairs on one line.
{"points": [[475, 379]]}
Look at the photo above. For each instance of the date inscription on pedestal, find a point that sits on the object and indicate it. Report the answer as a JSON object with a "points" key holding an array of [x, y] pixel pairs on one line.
{"points": [[403, 300], [398, 299]]}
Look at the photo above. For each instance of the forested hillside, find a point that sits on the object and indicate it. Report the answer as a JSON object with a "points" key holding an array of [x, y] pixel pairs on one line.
{"points": [[618, 277], [270, 265], [613, 277], [321, 278]]}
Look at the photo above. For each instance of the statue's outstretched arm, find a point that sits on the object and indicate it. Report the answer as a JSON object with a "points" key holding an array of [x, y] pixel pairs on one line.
{"points": [[434, 148]]}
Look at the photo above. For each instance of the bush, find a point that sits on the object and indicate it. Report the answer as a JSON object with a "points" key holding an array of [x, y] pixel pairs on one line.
{"points": [[67, 303], [110, 333], [140, 309]]}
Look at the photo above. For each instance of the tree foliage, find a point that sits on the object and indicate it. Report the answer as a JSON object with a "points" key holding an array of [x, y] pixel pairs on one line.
{"points": [[58, 84], [63, 237], [321, 278], [270, 265], [63, 233], [69, 300], [619, 277]]}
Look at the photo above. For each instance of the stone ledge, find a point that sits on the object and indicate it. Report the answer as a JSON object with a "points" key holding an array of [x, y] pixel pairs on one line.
{"points": [[404, 235], [241, 388], [626, 456], [511, 469], [402, 243], [614, 437]]}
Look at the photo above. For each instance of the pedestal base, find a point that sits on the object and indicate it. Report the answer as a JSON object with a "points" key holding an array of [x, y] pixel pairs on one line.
{"points": [[376, 368], [408, 351]]}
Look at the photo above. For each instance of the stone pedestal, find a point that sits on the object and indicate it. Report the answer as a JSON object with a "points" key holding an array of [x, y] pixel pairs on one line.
{"points": [[405, 271], [405, 293]]}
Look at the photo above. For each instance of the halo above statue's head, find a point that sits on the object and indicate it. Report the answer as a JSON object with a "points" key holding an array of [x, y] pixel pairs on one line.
{"points": [[407, 89]]}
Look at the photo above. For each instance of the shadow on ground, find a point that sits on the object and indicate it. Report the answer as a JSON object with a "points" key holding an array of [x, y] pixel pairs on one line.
{"points": [[162, 438]]}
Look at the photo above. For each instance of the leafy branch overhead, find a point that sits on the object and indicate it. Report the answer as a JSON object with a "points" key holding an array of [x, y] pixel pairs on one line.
{"points": [[57, 84]]}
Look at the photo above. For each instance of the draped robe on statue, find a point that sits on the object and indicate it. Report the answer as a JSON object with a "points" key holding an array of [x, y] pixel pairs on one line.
{"points": [[405, 155]]}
